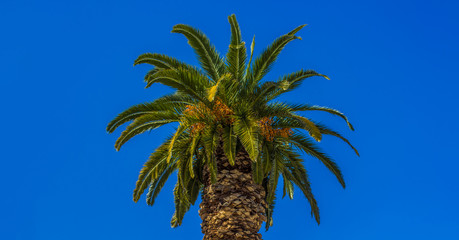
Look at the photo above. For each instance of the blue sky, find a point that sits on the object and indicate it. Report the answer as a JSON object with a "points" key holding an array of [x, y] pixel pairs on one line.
{"points": [[66, 70]]}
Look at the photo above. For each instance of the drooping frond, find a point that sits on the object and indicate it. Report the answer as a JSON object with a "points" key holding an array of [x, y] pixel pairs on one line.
{"points": [[273, 178], [258, 168], [246, 130], [162, 175], [287, 83], [193, 188], [296, 173], [144, 123], [306, 107], [170, 103], [157, 184], [188, 81], [210, 141], [299, 122], [209, 58], [192, 150], [229, 143], [181, 206], [181, 128], [151, 74], [161, 61], [303, 143], [325, 130], [288, 188], [269, 213], [151, 170], [313, 130]]}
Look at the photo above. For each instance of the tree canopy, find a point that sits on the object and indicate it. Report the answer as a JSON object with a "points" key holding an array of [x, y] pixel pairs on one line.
{"points": [[227, 101]]}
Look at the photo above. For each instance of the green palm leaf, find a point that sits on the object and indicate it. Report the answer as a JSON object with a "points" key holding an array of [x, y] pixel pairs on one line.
{"points": [[288, 188], [305, 107], [144, 123], [209, 58], [181, 206], [210, 141], [304, 144], [246, 130], [325, 130], [158, 184], [168, 103], [161, 61], [150, 170], [237, 53], [301, 179], [264, 62], [191, 82], [229, 143], [289, 83]]}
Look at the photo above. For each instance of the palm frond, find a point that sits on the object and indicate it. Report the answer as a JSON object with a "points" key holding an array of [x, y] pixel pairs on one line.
{"points": [[193, 145], [214, 89], [248, 68], [189, 81], [326, 130], [301, 142], [288, 83], [157, 184], [229, 143], [313, 130], [151, 74], [194, 186], [246, 130], [269, 213], [161, 61], [299, 176], [288, 188], [181, 128], [273, 179], [298, 122], [258, 171], [168, 103], [226, 106], [151, 170], [305, 107], [210, 141], [181, 206], [237, 52], [264, 61], [144, 123], [296, 30], [209, 58]]}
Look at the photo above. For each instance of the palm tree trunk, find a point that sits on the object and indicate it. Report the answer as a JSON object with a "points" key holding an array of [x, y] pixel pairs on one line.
{"points": [[233, 207]]}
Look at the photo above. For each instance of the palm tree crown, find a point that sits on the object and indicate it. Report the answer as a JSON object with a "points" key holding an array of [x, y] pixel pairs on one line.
{"points": [[226, 103]]}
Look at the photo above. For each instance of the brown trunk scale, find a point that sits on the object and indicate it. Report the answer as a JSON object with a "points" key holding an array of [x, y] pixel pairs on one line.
{"points": [[233, 207]]}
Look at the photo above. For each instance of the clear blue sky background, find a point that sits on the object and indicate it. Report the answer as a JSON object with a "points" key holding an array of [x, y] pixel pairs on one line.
{"points": [[66, 70]]}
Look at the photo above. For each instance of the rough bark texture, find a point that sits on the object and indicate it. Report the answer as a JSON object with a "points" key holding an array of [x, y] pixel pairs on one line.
{"points": [[233, 207]]}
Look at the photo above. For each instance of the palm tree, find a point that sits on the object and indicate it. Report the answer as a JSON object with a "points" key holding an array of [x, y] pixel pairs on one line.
{"points": [[233, 140]]}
